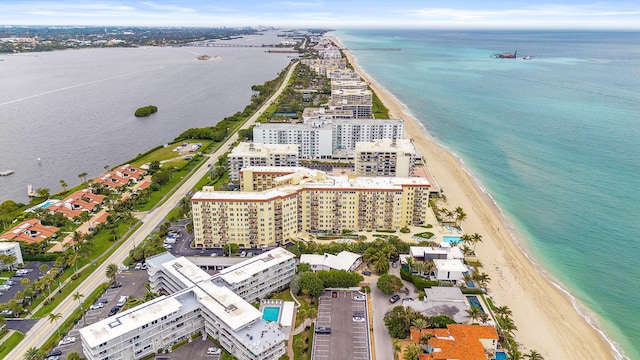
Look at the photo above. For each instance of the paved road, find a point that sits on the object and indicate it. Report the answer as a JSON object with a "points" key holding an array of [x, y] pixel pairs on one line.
{"points": [[381, 337], [43, 329]]}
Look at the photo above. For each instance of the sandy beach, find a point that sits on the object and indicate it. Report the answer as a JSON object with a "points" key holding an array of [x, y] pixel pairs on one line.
{"points": [[544, 314]]}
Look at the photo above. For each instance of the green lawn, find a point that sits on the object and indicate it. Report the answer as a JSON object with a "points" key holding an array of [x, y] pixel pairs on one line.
{"points": [[166, 153], [10, 343], [303, 345]]}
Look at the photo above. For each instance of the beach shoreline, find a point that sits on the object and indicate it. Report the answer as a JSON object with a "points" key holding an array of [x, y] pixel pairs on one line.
{"points": [[548, 318]]}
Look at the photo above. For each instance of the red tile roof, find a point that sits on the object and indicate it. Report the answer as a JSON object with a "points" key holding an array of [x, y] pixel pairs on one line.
{"points": [[30, 231], [459, 341]]}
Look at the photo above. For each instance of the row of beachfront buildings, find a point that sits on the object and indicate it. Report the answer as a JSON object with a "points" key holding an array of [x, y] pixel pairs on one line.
{"points": [[278, 199]]}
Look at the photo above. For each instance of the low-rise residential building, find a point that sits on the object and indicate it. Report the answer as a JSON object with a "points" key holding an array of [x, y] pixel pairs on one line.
{"points": [[11, 249], [120, 177], [77, 203], [259, 154], [316, 205], [385, 157], [438, 300], [345, 260], [30, 231], [261, 178], [458, 341], [450, 270], [197, 303]]}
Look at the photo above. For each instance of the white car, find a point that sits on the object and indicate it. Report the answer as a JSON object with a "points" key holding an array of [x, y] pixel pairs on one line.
{"points": [[360, 298], [138, 266], [214, 351], [358, 319], [96, 306], [67, 340], [5, 287]]}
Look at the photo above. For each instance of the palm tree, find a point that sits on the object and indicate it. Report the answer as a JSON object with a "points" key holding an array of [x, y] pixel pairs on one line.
{"points": [[83, 176], [410, 262], [112, 270], [420, 323], [77, 237], [63, 184], [54, 317], [25, 282], [477, 238], [412, 352], [473, 313], [43, 268], [508, 326], [515, 354], [484, 318], [424, 338], [502, 311], [77, 296], [72, 259], [381, 265], [33, 353], [534, 355], [460, 215], [427, 267], [481, 278]]}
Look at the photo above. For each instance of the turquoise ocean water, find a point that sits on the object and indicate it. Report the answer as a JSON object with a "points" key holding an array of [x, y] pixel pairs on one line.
{"points": [[555, 140]]}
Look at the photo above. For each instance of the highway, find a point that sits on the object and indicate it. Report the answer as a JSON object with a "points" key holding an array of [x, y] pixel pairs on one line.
{"points": [[44, 329]]}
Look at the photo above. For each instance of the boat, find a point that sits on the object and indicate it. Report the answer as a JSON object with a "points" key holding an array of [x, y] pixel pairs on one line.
{"points": [[528, 57], [506, 55], [6, 172]]}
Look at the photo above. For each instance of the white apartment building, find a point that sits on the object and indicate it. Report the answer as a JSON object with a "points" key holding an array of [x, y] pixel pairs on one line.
{"points": [[343, 75], [198, 304], [322, 114], [314, 140], [347, 133], [316, 205], [385, 157], [11, 249], [261, 178], [337, 85], [260, 154], [351, 96], [360, 109]]}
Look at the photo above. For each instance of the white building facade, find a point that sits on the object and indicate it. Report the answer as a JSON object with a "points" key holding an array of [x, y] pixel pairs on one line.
{"points": [[259, 154]]}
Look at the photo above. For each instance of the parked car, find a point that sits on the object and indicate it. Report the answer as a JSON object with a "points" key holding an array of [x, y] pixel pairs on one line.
{"points": [[96, 306], [214, 351], [394, 299], [5, 287], [366, 272], [54, 352], [102, 301], [360, 297], [123, 268], [53, 357], [138, 266], [323, 330], [358, 319], [114, 310], [115, 286], [67, 340], [144, 266]]}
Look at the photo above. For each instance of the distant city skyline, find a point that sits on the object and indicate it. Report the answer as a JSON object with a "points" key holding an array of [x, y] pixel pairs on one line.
{"points": [[563, 14]]}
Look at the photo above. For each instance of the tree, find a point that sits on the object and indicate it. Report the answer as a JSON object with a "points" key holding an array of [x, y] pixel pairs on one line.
{"points": [[460, 215], [303, 267], [161, 177], [397, 322], [420, 323], [185, 206], [43, 192], [473, 313], [77, 237], [78, 297], [310, 284], [111, 271], [476, 238], [83, 176], [412, 352], [534, 355], [33, 354], [232, 248], [43, 268], [389, 284], [74, 356], [427, 267], [63, 184], [410, 263], [481, 278], [25, 282], [7, 261], [54, 317], [515, 354], [502, 311]]}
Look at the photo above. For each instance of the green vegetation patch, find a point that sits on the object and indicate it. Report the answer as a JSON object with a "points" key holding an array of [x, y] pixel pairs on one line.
{"points": [[10, 343], [146, 111]]}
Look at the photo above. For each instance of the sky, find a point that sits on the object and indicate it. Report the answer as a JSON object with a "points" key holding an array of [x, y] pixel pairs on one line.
{"points": [[334, 14]]}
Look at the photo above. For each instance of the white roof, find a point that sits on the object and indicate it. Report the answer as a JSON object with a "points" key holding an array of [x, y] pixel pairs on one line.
{"points": [[343, 261], [226, 305], [450, 265], [129, 320], [420, 251], [183, 270], [246, 269]]}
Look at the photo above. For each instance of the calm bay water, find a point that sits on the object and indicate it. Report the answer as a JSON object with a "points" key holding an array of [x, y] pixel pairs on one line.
{"points": [[74, 109], [554, 140]]}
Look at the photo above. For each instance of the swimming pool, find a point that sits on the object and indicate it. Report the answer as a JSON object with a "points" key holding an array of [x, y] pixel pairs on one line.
{"points": [[271, 313], [452, 239], [473, 301], [501, 356]]}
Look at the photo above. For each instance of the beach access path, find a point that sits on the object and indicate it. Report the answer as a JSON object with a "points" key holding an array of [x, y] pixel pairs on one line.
{"points": [[44, 329], [543, 313]]}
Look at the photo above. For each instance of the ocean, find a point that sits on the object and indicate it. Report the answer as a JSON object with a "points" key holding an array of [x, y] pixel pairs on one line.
{"points": [[555, 140], [73, 109]]}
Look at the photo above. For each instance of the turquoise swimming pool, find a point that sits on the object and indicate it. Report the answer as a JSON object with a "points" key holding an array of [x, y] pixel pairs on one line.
{"points": [[46, 204], [473, 301], [452, 239], [271, 313], [501, 356]]}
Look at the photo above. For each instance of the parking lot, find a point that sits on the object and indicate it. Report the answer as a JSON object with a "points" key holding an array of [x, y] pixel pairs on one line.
{"points": [[33, 274], [348, 320], [132, 281]]}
